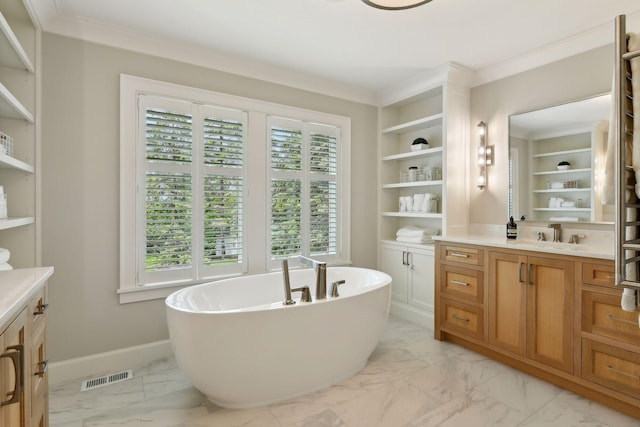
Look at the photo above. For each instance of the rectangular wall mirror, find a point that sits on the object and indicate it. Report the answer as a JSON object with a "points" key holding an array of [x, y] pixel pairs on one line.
{"points": [[556, 162]]}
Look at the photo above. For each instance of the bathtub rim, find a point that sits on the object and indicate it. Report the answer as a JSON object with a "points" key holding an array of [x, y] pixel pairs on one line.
{"points": [[273, 305]]}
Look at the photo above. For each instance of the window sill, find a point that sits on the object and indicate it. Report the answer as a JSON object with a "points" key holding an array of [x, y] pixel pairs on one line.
{"points": [[151, 292], [147, 293]]}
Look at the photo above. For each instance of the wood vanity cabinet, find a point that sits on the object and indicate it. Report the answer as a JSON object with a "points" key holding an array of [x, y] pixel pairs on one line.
{"points": [[610, 336], [531, 307], [23, 374], [460, 291], [557, 317]]}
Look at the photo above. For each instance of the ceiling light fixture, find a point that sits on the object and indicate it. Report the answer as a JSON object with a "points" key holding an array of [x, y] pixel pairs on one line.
{"points": [[395, 4]]}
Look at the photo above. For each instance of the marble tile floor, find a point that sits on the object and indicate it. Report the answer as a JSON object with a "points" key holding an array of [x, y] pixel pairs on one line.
{"points": [[411, 380]]}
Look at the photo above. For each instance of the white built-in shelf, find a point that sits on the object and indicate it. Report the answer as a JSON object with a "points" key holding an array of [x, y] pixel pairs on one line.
{"points": [[11, 108], [15, 222], [413, 125], [413, 184], [563, 209], [556, 172], [8, 162], [427, 245], [12, 54], [564, 190], [413, 154], [564, 153], [413, 214]]}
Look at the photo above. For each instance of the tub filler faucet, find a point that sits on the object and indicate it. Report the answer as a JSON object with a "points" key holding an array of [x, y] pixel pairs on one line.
{"points": [[320, 268], [306, 294]]}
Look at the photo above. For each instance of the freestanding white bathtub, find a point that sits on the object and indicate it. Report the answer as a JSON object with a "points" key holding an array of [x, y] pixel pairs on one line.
{"points": [[240, 346]]}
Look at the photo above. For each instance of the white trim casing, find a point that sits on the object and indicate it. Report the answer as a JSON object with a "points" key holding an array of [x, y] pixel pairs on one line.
{"points": [[130, 89]]}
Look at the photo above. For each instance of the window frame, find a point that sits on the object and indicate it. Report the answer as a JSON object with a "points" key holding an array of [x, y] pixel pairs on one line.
{"points": [[306, 177], [255, 170]]}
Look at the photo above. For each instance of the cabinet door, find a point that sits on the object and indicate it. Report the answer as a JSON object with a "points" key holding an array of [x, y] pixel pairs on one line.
{"points": [[15, 414], [550, 312], [394, 263], [507, 301], [39, 378], [421, 279]]}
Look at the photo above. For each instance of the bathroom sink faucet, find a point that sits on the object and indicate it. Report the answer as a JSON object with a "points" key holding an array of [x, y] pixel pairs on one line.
{"points": [[320, 268], [557, 232]]}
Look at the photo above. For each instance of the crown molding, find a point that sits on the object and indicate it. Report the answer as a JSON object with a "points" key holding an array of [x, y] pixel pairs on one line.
{"points": [[46, 15], [52, 21], [450, 72], [576, 44]]}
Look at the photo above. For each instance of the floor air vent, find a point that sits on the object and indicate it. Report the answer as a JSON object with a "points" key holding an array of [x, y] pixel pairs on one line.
{"points": [[106, 380]]}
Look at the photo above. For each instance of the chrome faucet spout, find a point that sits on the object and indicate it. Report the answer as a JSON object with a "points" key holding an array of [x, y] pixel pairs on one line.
{"points": [[557, 233], [287, 283], [320, 268]]}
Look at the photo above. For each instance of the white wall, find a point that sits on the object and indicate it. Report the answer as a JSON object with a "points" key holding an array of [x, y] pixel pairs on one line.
{"points": [[573, 78], [80, 184]]}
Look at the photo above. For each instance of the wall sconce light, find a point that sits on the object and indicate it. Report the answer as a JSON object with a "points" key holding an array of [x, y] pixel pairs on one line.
{"points": [[485, 155]]}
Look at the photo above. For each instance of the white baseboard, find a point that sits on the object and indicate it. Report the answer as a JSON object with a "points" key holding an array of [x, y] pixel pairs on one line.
{"points": [[102, 363], [412, 314]]}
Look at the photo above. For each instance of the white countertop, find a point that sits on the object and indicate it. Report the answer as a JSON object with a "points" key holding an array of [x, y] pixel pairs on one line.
{"points": [[582, 250], [17, 287]]}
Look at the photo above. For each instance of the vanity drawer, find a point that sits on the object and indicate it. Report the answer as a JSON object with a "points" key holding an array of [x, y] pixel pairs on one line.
{"points": [[611, 367], [462, 255], [598, 274], [602, 315], [462, 318], [462, 283]]}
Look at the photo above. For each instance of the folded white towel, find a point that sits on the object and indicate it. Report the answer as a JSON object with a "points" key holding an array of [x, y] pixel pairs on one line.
{"points": [[414, 239], [5, 267], [414, 231], [4, 255]]}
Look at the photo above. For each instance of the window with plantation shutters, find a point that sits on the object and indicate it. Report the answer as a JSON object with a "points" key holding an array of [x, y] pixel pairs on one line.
{"points": [[304, 191], [193, 191], [223, 154], [207, 178]]}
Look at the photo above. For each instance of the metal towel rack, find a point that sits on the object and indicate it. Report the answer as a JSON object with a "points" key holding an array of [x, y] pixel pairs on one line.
{"points": [[627, 228]]}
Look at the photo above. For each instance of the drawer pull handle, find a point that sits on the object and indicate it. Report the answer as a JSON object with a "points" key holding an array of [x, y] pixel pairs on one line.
{"points": [[455, 316], [40, 309], [531, 270], [43, 368], [457, 282], [459, 255], [626, 374], [617, 319], [18, 361], [520, 271]]}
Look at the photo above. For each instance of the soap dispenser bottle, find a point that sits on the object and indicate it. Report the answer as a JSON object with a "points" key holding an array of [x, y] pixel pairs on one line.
{"points": [[512, 229]]}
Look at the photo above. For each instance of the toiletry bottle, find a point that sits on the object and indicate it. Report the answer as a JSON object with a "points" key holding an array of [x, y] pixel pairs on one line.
{"points": [[512, 229]]}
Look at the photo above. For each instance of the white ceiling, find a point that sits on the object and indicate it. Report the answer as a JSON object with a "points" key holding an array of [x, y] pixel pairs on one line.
{"points": [[344, 47]]}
